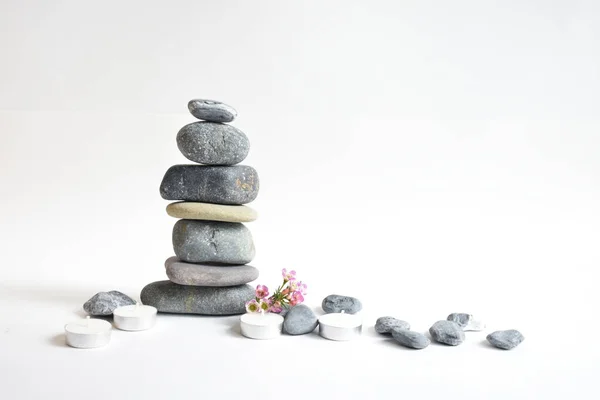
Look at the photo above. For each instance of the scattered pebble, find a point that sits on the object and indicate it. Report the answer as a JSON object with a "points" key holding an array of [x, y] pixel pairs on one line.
{"points": [[104, 303], [335, 303], [467, 322], [387, 324], [412, 339], [300, 320], [505, 340], [447, 332]]}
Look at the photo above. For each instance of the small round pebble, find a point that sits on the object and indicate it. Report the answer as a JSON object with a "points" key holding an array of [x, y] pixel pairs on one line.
{"points": [[213, 144], [335, 303], [412, 339], [447, 332], [300, 320], [466, 321], [104, 303], [387, 324], [211, 110], [505, 340]]}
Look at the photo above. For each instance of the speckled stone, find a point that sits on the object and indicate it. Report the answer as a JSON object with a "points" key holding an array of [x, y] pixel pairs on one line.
{"points": [[387, 324], [213, 144], [505, 340], [104, 303], [335, 303], [300, 320], [466, 321], [184, 273], [212, 242], [168, 297], [412, 339], [211, 212], [211, 110], [237, 184], [447, 332]]}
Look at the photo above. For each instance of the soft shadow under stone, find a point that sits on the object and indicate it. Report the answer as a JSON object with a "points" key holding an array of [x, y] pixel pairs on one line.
{"points": [[169, 297]]}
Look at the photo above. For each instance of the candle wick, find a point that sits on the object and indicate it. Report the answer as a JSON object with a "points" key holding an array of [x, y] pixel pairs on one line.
{"points": [[343, 311]]}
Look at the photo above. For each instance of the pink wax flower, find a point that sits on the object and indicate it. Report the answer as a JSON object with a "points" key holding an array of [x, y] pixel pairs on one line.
{"points": [[302, 288], [297, 298], [263, 305], [288, 276], [252, 306], [262, 291]]}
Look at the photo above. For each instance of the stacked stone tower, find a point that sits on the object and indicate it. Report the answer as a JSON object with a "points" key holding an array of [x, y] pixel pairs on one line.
{"points": [[210, 271]]}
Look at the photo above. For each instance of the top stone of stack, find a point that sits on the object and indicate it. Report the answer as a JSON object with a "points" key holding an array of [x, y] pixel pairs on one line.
{"points": [[211, 142]]}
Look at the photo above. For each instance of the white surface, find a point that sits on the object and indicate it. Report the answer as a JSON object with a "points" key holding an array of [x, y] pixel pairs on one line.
{"points": [[261, 326], [427, 157], [134, 317], [88, 333]]}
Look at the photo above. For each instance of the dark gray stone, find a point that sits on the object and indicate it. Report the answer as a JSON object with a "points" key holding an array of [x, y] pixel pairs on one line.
{"points": [[386, 324], [335, 303], [213, 144], [168, 297], [505, 340], [104, 303], [412, 339], [237, 184], [196, 241], [184, 273], [300, 320], [211, 110], [447, 332]]}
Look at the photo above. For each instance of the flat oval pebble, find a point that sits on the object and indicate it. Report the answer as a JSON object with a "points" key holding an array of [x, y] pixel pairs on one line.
{"points": [[237, 184], [213, 144], [447, 332], [300, 320], [211, 110], [387, 324], [466, 321], [168, 297], [104, 303], [212, 242], [184, 273], [412, 339], [505, 340], [211, 212], [335, 303]]}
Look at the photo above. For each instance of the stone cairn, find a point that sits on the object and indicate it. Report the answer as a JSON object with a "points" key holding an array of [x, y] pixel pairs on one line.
{"points": [[209, 273]]}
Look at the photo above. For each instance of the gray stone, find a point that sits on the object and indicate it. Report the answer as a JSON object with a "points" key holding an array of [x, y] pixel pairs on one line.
{"points": [[237, 184], [213, 144], [169, 297], [447, 332], [387, 324], [335, 303], [505, 340], [300, 320], [211, 110], [412, 339], [184, 273], [104, 303], [466, 321], [197, 241]]}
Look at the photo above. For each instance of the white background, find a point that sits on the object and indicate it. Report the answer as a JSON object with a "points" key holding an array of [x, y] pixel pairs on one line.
{"points": [[426, 157]]}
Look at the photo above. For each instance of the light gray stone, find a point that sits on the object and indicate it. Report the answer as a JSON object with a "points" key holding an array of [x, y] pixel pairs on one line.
{"points": [[169, 297], [335, 303], [505, 340], [236, 184], [412, 339], [213, 144], [197, 241], [387, 324], [299, 320], [447, 332], [104, 303], [466, 321], [211, 110], [184, 273]]}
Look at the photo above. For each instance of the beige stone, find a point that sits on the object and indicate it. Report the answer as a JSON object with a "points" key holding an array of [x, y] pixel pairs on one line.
{"points": [[211, 212]]}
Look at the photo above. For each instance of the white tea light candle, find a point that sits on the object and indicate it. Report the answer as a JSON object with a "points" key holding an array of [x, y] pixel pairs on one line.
{"points": [[135, 317], [261, 325], [340, 326], [88, 333]]}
